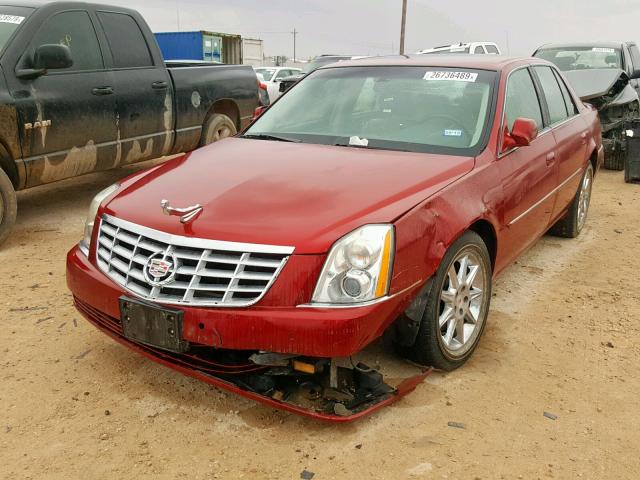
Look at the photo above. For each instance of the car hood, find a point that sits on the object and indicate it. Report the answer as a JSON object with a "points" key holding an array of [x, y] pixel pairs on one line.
{"points": [[290, 194], [600, 82]]}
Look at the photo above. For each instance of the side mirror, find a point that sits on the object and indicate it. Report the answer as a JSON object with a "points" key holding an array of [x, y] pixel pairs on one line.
{"points": [[523, 132], [635, 74], [52, 57]]}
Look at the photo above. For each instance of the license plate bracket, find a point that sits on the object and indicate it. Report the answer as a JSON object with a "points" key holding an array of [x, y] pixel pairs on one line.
{"points": [[152, 325]]}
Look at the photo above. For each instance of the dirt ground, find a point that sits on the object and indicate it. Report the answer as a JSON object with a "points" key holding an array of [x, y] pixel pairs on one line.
{"points": [[562, 338]]}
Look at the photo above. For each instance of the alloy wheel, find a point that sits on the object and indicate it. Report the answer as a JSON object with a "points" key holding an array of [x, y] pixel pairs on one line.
{"points": [[222, 132], [585, 198], [462, 301]]}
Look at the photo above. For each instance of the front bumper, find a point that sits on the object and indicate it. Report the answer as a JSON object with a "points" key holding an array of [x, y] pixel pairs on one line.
{"points": [[303, 330], [306, 331]]}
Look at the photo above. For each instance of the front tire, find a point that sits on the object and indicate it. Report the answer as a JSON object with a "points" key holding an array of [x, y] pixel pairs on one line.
{"points": [[217, 127], [457, 306], [8, 206], [575, 219]]}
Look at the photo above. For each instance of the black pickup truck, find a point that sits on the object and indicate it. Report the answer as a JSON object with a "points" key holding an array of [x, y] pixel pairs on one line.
{"points": [[83, 88]]}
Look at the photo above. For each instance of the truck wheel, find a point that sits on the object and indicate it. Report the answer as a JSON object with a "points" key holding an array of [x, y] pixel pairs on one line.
{"points": [[217, 127], [8, 206], [574, 220], [615, 160], [457, 306]]}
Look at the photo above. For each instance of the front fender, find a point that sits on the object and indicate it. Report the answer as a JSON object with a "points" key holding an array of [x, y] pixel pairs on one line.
{"points": [[424, 234]]}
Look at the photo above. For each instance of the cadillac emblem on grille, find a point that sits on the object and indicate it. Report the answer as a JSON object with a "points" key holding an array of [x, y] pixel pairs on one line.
{"points": [[160, 269]]}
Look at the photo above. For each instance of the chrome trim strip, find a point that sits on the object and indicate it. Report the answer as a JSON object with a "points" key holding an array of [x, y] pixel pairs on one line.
{"points": [[361, 304], [83, 248], [197, 242], [539, 202]]}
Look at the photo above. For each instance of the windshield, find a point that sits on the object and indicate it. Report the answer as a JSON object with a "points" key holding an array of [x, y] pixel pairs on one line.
{"points": [[10, 20], [582, 58], [266, 73], [419, 109]]}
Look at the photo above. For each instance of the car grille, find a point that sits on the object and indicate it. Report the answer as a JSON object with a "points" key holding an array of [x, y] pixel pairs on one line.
{"points": [[202, 272]]}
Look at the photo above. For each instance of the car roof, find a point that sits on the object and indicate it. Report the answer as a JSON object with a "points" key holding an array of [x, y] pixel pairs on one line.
{"points": [[480, 62], [581, 45]]}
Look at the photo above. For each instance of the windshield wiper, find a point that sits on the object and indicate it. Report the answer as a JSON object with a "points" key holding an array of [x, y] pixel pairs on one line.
{"points": [[264, 136], [369, 147]]}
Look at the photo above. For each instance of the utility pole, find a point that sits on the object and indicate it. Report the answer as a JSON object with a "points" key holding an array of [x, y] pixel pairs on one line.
{"points": [[402, 25], [294, 33]]}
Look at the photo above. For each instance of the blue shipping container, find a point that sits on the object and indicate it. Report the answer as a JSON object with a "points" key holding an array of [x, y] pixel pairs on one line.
{"points": [[190, 46]]}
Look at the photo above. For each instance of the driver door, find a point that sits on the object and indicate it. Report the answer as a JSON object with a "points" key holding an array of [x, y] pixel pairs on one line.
{"points": [[68, 116], [529, 174]]}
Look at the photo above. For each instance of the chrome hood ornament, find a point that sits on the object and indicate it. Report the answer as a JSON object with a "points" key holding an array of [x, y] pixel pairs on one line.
{"points": [[187, 214]]}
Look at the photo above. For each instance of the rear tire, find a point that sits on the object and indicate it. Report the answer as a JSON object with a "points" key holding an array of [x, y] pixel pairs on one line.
{"points": [[575, 219], [457, 306], [8, 206], [217, 127]]}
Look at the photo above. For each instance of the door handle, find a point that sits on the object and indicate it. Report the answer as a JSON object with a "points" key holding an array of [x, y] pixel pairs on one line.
{"points": [[551, 157], [159, 85], [102, 91]]}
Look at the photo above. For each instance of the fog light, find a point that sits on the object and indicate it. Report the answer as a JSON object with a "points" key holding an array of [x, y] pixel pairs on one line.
{"points": [[356, 283]]}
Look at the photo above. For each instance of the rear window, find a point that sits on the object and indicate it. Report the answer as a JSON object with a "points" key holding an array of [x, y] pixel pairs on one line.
{"points": [[11, 18], [266, 73], [128, 45]]}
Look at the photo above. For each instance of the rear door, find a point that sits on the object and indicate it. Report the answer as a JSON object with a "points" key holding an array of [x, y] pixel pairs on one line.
{"points": [[570, 132], [143, 90], [68, 116], [529, 174]]}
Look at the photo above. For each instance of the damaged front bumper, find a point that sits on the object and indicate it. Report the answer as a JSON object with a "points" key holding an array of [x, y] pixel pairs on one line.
{"points": [[318, 382]]}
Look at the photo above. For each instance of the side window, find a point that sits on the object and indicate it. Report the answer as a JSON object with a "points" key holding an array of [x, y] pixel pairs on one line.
{"points": [[553, 94], [522, 99], [128, 45], [282, 74], [478, 50], [568, 100], [635, 57], [491, 49], [75, 30]]}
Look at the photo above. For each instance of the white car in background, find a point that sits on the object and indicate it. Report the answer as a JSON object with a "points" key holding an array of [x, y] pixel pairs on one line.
{"points": [[472, 48], [271, 76]]}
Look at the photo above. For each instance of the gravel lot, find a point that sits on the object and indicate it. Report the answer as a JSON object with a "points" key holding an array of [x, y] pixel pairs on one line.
{"points": [[562, 338]]}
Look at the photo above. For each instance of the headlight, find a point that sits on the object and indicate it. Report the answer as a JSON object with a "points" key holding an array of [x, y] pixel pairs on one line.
{"points": [[91, 216], [358, 268]]}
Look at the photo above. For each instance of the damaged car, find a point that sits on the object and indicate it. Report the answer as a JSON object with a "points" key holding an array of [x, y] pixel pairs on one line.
{"points": [[378, 199], [606, 75]]}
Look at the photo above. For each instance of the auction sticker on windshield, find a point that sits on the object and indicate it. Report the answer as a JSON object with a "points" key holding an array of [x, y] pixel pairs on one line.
{"points": [[11, 19], [455, 76], [603, 50]]}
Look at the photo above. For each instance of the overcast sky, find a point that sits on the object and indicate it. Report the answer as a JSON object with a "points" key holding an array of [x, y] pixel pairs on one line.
{"points": [[367, 27]]}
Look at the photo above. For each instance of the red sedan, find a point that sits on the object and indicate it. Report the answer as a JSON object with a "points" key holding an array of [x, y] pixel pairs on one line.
{"points": [[377, 197]]}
